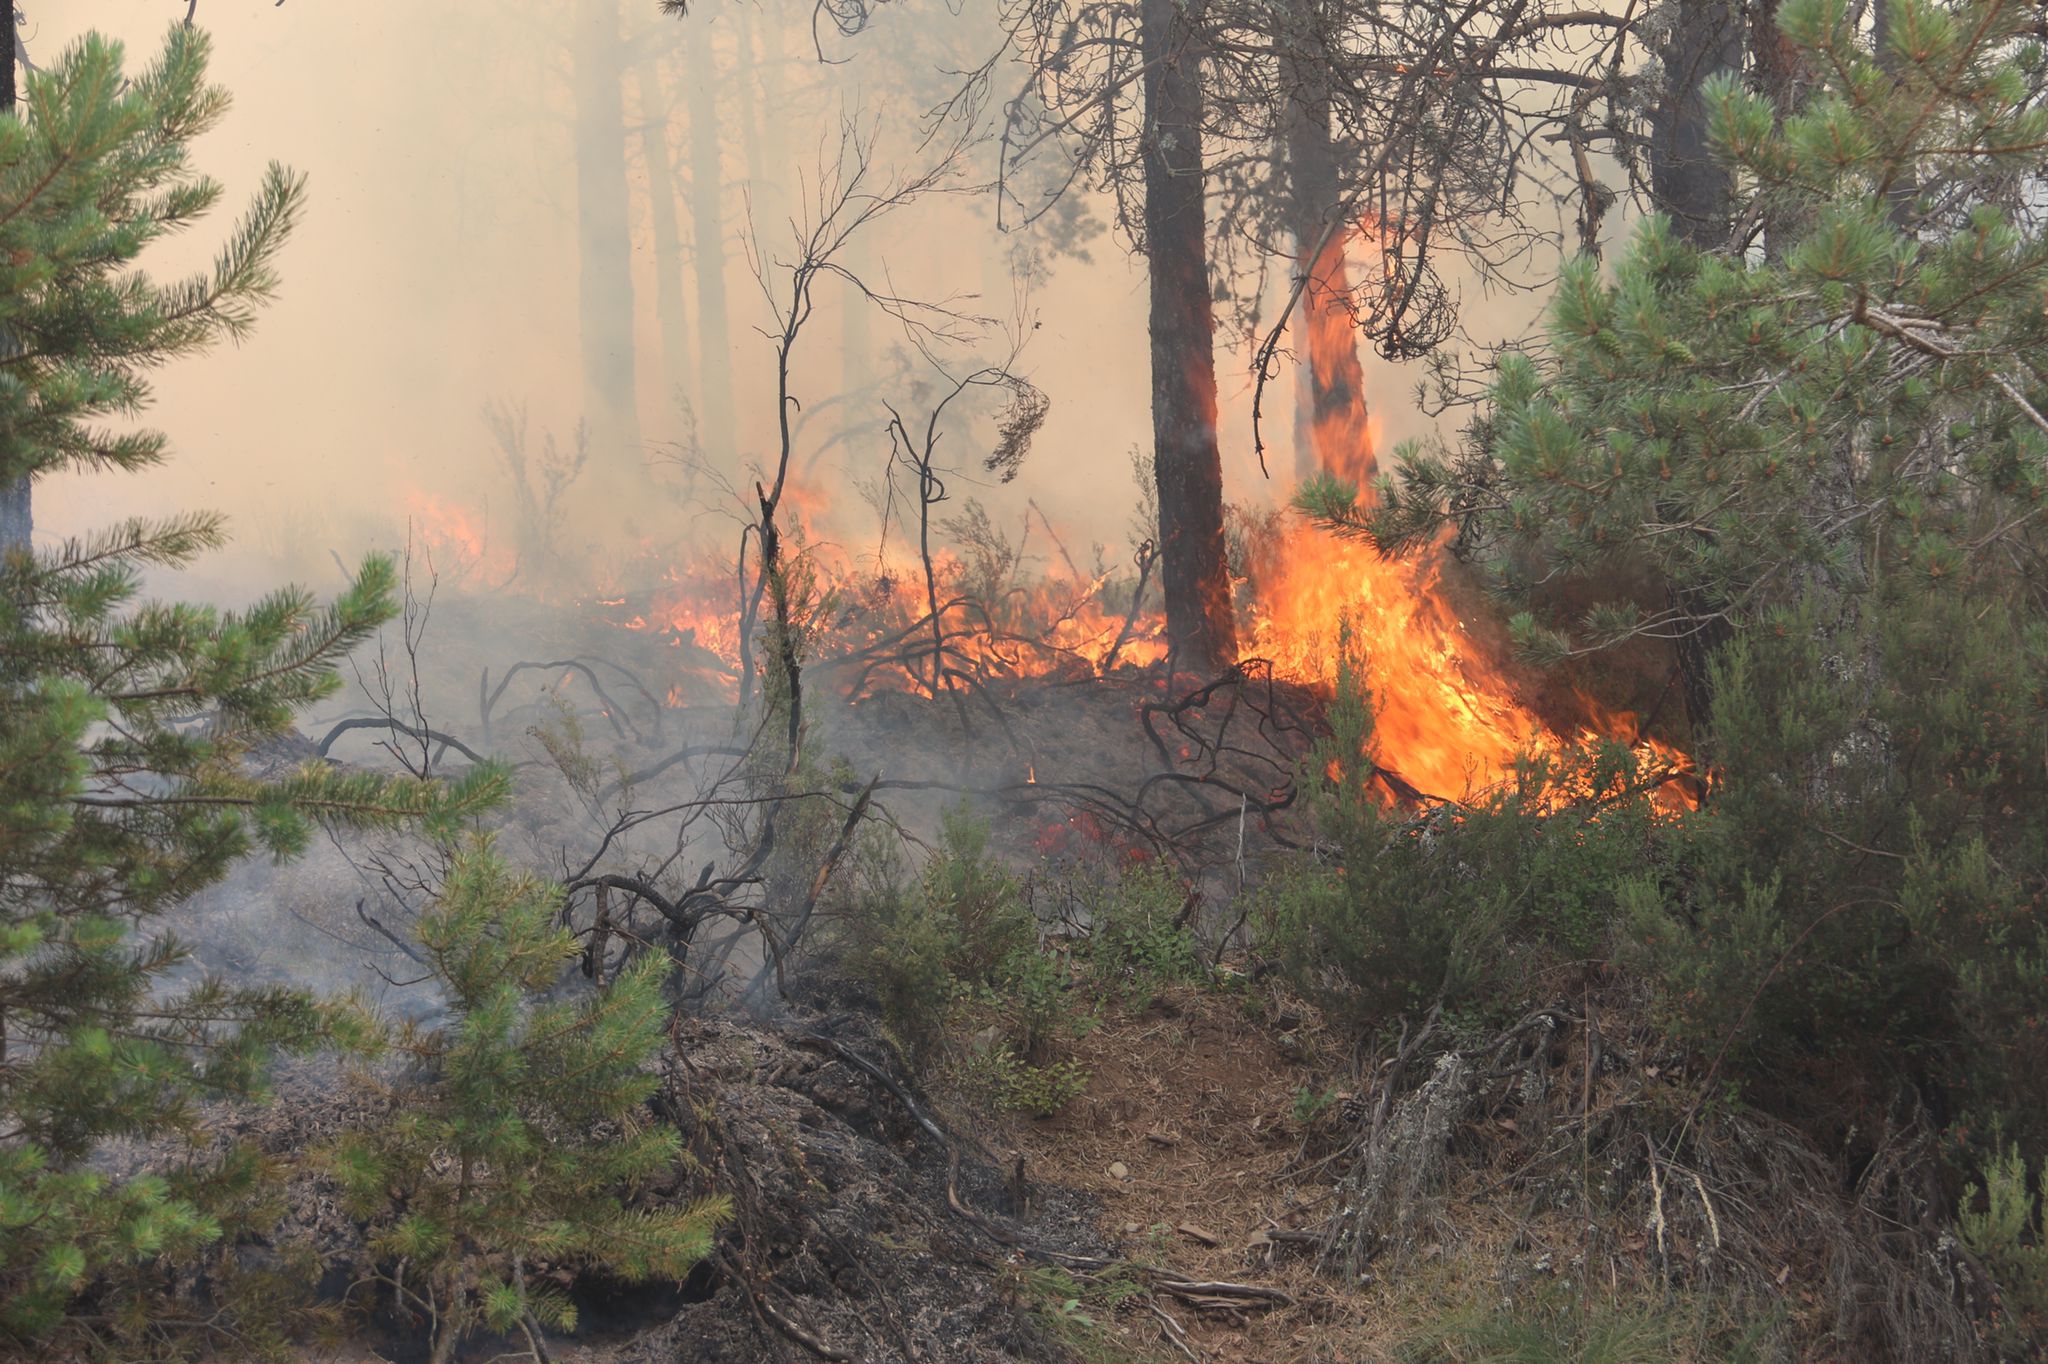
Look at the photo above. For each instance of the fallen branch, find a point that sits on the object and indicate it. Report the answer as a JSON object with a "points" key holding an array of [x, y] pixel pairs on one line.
{"points": [[488, 698], [396, 725]]}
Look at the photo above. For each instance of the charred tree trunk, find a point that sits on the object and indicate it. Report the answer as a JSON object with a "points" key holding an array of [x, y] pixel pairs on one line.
{"points": [[1686, 181], [1693, 189], [670, 313], [1340, 441], [707, 230], [604, 231], [17, 520], [1189, 468]]}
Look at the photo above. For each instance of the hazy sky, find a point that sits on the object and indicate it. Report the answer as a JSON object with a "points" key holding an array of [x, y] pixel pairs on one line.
{"points": [[436, 269]]}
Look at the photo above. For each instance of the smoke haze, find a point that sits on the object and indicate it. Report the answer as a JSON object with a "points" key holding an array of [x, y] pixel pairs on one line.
{"points": [[437, 269]]}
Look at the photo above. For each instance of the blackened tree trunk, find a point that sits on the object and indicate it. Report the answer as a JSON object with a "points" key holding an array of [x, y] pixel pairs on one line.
{"points": [[707, 232], [1686, 181], [16, 514], [1340, 441], [604, 232], [1693, 189], [671, 316], [1200, 627]]}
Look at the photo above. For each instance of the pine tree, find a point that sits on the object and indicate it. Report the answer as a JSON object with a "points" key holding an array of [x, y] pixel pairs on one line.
{"points": [[1863, 405], [519, 1125], [1841, 442], [124, 722]]}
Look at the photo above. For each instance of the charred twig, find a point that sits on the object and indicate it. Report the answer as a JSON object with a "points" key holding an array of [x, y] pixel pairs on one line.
{"points": [[818, 883], [397, 726], [1147, 553], [1200, 1292], [681, 755], [766, 1311], [616, 714]]}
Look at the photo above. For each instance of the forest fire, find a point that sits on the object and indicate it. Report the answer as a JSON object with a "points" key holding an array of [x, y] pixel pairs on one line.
{"points": [[1447, 713]]}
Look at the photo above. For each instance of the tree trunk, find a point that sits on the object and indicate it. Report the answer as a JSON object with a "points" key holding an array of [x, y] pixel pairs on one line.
{"points": [[747, 98], [604, 233], [1340, 439], [1200, 627], [1686, 182], [670, 312], [1693, 189], [16, 514], [707, 231]]}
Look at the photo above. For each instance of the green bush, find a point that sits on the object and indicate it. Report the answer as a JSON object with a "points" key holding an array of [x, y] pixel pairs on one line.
{"points": [[999, 1078], [1755, 455], [519, 1130], [1035, 989], [1401, 910], [2006, 1234], [970, 889], [1136, 941], [959, 927]]}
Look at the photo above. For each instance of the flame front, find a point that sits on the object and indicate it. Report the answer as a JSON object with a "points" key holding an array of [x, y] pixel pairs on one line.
{"points": [[1446, 715], [1449, 716]]}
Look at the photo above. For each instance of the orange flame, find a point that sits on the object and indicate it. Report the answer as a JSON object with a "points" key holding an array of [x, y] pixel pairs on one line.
{"points": [[1446, 714], [457, 542]]}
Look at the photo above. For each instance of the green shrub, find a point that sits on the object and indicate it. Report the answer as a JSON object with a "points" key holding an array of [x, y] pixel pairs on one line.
{"points": [[1034, 987], [519, 1131], [1401, 910], [970, 889], [1000, 1079], [1136, 941], [961, 926], [2007, 1236]]}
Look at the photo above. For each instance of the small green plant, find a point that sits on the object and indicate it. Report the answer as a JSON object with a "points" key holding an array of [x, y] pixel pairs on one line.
{"points": [[962, 926], [518, 1134], [1543, 1333], [1136, 940], [1309, 1105], [2006, 1235], [1003, 1081], [1035, 987], [1072, 1307]]}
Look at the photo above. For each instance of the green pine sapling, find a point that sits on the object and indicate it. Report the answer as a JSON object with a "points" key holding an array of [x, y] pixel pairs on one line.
{"points": [[519, 1127], [124, 722]]}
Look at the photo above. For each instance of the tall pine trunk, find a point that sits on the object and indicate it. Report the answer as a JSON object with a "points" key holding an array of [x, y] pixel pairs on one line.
{"points": [[671, 315], [1686, 182], [707, 232], [17, 520], [1340, 442], [1194, 575], [1693, 189], [604, 233]]}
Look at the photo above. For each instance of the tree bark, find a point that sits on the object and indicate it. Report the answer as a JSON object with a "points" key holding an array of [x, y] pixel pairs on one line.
{"points": [[707, 231], [1201, 630], [17, 520], [604, 232], [1686, 181], [1340, 441], [671, 315], [1690, 186]]}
